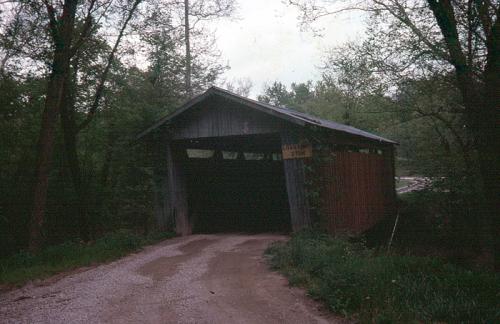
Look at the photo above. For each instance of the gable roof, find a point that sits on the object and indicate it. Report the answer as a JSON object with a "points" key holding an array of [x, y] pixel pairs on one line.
{"points": [[290, 115]]}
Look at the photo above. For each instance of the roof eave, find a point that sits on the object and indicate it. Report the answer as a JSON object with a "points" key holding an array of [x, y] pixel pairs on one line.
{"points": [[293, 117], [222, 93], [178, 111]]}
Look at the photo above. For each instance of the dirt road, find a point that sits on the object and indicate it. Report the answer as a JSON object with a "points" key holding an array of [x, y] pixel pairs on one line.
{"points": [[414, 184], [194, 279]]}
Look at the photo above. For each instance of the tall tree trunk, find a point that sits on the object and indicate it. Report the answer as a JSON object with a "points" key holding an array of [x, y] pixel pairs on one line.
{"points": [[487, 140], [69, 129], [189, 89], [481, 117], [482, 102], [483, 121], [62, 33]]}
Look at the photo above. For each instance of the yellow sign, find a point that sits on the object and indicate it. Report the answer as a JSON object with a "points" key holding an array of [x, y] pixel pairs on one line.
{"points": [[296, 151]]}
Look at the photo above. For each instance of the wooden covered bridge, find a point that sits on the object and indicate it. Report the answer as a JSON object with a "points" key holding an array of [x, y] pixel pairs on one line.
{"points": [[229, 163]]}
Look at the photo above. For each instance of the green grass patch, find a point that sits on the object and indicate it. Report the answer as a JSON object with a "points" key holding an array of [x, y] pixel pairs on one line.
{"points": [[355, 281], [24, 266]]}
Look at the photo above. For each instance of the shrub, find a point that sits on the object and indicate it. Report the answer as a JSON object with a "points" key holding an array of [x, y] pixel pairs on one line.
{"points": [[353, 280], [25, 266]]}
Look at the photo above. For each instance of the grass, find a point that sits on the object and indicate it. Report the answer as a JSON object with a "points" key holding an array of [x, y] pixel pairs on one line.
{"points": [[23, 266], [378, 288]]}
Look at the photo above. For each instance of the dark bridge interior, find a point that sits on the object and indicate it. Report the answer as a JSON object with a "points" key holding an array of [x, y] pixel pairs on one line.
{"points": [[236, 184]]}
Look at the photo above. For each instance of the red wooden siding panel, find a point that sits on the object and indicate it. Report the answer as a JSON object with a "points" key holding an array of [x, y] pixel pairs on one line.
{"points": [[356, 191]]}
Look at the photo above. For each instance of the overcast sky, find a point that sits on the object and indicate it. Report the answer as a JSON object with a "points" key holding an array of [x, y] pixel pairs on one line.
{"points": [[266, 44]]}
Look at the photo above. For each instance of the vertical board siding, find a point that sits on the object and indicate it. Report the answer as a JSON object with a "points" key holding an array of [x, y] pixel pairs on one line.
{"points": [[295, 185], [356, 191], [217, 118], [178, 191], [161, 198]]}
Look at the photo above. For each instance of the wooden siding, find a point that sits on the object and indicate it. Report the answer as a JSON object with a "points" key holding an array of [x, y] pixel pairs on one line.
{"points": [[161, 198], [177, 190], [215, 117], [357, 191], [295, 184]]}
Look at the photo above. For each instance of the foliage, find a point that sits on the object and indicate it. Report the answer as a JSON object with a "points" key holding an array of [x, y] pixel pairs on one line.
{"points": [[115, 168], [419, 113], [20, 107], [437, 221], [424, 39], [23, 266], [353, 280], [114, 187]]}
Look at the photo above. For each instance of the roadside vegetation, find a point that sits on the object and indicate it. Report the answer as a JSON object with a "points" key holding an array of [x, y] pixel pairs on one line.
{"points": [[374, 286], [435, 221], [425, 74], [98, 177], [24, 266]]}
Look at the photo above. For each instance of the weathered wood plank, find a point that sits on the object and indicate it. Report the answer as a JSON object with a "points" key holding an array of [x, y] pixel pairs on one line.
{"points": [[178, 191], [217, 118], [161, 198], [359, 195], [295, 184]]}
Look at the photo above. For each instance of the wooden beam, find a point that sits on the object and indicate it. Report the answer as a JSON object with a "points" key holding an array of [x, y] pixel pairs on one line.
{"points": [[161, 198], [295, 185], [348, 139], [177, 190]]}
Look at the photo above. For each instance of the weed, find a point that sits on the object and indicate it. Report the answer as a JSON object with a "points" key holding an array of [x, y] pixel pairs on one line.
{"points": [[353, 280], [24, 266]]}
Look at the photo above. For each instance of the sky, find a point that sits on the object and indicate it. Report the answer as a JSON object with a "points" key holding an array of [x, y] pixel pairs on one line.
{"points": [[264, 42]]}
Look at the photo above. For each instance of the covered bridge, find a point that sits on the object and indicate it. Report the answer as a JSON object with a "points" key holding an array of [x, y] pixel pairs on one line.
{"points": [[229, 163]]}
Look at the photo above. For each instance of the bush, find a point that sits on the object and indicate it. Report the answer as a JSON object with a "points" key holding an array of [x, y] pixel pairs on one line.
{"points": [[25, 266], [353, 280]]}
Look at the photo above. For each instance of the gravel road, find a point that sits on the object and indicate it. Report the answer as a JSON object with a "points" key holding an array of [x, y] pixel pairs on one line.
{"points": [[193, 279]]}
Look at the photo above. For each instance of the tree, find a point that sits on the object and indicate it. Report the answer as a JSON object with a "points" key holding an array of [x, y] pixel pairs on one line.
{"points": [[241, 86], [277, 94], [201, 10], [62, 27], [67, 37], [444, 35], [481, 96], [69, 123], [21, 43], [345, 67], [189, 90], [184, 23], [21, 103], [95, 183]]}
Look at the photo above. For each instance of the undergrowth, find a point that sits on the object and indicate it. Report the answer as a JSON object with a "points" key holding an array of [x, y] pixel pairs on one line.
{"points": [[382, 288], [24, 266]]}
